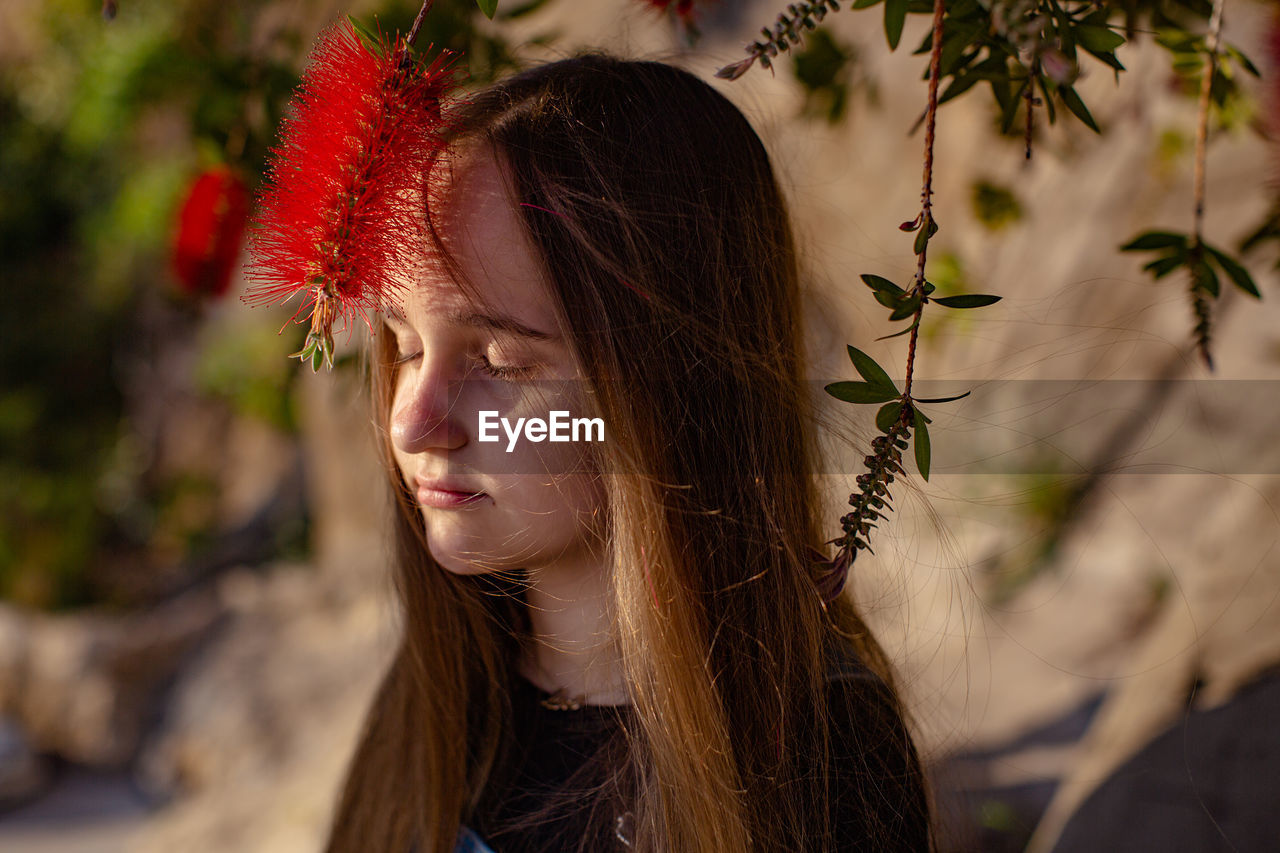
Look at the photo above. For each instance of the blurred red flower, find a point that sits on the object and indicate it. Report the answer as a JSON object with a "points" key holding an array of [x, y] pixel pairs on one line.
{"points": [[684, 8], [211, 224], [1273, 77]]}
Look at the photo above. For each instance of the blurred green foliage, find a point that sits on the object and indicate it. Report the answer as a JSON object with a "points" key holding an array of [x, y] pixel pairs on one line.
{"points": [[823, 68], [945, 269], [994, 205], [245, 369], [1048, 502], [70, 218]]}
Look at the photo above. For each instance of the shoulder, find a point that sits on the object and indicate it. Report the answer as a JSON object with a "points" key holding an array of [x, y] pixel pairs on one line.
{"points": [[878, 794]]}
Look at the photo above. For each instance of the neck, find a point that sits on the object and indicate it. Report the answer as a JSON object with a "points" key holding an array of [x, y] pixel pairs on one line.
{"points": [[570, 645]]}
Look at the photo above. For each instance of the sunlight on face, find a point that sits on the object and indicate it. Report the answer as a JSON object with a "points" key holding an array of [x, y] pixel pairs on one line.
{"points": [[485, 508]]}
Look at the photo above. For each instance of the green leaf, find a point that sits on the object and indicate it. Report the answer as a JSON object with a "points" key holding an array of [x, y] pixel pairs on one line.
{"points": [[960, 84], [922, 239], [967, 300], [887, 415], [1097, 39], [895, 14], [864, 4], [903, 332], [1073, 102], [1011, 106], [881, 284], [520, 11], [367, 36], [1163, 266], [1048, 97], [1000, 84], [923, 450], [1109, 59], [1175, 39], [870, 371], [906, 308], [1155, 240], [1207, 279], [1239, 57], [1268, 230], [1097, 18], [943, 399], [889, 300], [1188, 63], [860, 392], [954, 45], [1220, 89], [1235, 271], [488, 7], [1066, 30]]}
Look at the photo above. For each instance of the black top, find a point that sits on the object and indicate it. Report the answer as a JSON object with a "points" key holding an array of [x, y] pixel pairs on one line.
{"points": [[550, 745], [549, 748]]}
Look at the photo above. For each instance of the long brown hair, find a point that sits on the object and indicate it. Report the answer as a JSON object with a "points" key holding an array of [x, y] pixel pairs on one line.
{"points": [[669, 252]]}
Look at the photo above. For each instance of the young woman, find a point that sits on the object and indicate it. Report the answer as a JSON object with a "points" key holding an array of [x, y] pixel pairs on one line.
{"points": [[618, 642]]}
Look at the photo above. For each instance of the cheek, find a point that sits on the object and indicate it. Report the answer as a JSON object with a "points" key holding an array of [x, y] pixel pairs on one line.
{"points": [[402, 459], [576, 495], [552, 511], [561, 494], [402, 465]]}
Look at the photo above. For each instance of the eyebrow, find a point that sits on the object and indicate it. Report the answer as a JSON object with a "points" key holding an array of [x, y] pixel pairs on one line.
{"points": [[500, 322]]}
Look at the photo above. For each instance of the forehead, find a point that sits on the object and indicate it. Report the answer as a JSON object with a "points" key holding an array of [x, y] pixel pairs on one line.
{"points": [[477, 221]]}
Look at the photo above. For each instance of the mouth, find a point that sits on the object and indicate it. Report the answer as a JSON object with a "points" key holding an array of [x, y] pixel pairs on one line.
{"points": [[439, 494]]}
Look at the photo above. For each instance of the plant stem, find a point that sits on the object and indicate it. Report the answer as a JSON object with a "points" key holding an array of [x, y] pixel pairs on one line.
{"points": [[1031, 99], [931, 117], [1202, 126], [1200, 304], [417, 22]]}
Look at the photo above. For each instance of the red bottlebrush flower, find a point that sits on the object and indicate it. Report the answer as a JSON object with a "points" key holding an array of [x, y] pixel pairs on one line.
{"points": [[341, 211], [684, 8], [685, 11], [211, 224], [1273, 78]]}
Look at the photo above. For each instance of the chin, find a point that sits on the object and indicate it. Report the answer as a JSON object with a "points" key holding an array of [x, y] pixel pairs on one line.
{"points": [[458, 554], [462, 567]]}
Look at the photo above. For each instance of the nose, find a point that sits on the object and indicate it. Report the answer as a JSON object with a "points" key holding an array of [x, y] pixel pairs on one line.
{"points": [[425, 412]]}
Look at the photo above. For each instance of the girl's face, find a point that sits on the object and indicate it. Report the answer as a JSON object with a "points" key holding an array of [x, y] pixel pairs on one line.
{"points": [[486, 507]]}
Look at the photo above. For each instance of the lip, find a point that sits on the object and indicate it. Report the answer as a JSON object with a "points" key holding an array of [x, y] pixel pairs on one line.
{"points": [[442, 494]]}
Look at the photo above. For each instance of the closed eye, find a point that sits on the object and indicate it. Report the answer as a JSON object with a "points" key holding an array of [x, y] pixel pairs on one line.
{"points": [[504, 371], [405, 359]]}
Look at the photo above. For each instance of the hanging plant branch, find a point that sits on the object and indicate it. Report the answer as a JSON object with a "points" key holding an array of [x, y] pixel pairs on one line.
{"points": [[1191, 251], [1016, 47], [1202, 280], [899, 414], [1032, 101], [786, 33]]}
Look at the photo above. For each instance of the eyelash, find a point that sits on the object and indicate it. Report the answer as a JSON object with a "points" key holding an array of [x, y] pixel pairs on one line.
{"points": [[502, 371], [497, 371]]}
